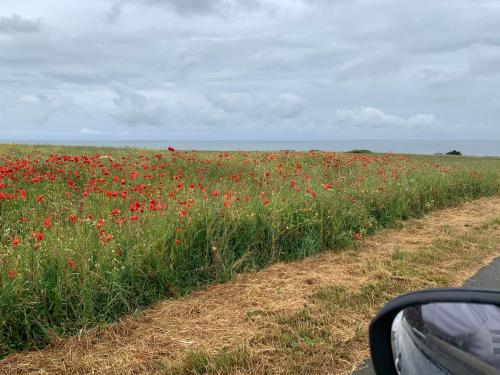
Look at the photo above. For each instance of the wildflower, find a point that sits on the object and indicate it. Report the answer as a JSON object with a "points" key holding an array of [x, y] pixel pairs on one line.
{"points": [[106, 238], [47, 223], [171, 149], [134, 206], [72, 218], [39, 198], [23, 193], [38, 236], [357, 236], [12, 274], [100, 223], [177, 242], [115, 212], [134, 218], [16, 241], [71, 262]]}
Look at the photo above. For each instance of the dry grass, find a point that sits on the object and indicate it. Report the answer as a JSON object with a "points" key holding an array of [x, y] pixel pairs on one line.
{"points": [[303, 317]]}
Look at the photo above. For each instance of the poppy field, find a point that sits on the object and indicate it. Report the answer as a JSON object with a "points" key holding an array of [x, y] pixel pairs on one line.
{"points": [[90, 234]]}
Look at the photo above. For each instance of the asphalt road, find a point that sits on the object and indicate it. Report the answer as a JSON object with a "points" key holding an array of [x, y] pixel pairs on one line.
{"points": [[487, 277]]}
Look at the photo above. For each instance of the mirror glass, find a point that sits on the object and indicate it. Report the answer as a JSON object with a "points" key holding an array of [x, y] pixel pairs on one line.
{"points": [[447, 338]]}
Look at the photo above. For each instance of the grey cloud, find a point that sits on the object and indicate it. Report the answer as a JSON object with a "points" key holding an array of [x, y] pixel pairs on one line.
{"points": [[184, 7], [238, 67], [41, 108], [17, 24], [135, 109], [235, 102], [114, 12], [287, 106], [88, 77], [485, 59], [259, 105], [199, 7]]}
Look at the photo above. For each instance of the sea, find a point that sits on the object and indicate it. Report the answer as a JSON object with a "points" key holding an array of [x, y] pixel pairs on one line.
{"points": [[425, 147]]}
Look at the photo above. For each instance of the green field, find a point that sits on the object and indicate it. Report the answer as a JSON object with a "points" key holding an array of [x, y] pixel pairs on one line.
{"points": [[90, 234]]}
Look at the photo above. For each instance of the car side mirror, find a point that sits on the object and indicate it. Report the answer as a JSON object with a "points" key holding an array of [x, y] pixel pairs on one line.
{"points": [[438, 331]]}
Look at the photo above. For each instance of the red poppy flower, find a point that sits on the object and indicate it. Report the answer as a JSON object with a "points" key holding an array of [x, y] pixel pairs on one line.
{"points": [[134, 218], [38, 236], [12, 274], [72, 218], [71, 262], [16, 241], [170, 148], [47, 223], [135, 206], [23, 193], [177, 242], [39, 198], [100, 223], [357, 236], [115, 212]]}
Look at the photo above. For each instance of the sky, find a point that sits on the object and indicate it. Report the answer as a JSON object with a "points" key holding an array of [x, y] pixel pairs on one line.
{"points": [[249, 69]]}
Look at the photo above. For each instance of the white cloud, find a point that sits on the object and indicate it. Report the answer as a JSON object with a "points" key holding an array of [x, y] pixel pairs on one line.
{"points": [[88, 131], [368, 117]]}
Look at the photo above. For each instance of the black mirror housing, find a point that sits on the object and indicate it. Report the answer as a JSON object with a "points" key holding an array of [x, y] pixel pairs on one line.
{"points": [[380, 328]]}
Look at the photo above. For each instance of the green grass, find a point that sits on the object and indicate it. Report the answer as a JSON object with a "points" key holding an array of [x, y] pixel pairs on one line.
{"points": [[201, 218], [222, 362]]}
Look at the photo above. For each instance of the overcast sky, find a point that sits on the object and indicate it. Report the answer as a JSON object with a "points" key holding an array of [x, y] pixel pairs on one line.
{"points": [[249, 69]]}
